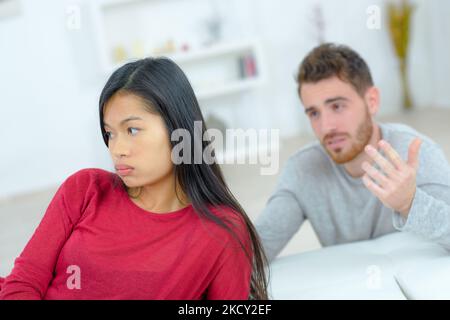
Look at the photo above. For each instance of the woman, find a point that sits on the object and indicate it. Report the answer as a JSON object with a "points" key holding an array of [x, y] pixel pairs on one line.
{"points": [[154, 230]]}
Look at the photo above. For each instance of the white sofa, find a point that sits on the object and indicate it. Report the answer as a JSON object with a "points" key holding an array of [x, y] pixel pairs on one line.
{"points": [[395, 266]]}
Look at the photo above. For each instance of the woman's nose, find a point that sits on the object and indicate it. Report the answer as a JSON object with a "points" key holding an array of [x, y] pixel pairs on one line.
{"points": [[120, 148]]}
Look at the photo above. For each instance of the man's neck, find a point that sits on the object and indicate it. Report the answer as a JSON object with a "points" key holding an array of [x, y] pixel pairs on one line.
{"points": [[353, 167]]}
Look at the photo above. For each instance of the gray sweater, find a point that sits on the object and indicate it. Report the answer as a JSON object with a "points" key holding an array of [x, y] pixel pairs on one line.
{"points": [[341, 209]]}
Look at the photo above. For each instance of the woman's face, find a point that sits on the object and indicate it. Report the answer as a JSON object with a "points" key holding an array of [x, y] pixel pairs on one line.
{"points": [[137, 138]]}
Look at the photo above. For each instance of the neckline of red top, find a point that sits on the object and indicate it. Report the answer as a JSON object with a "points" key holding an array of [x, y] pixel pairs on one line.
{"points": [[166, 215]]}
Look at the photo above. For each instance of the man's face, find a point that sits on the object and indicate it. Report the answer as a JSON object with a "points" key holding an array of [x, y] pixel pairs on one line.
{"points": [[341, 119]]}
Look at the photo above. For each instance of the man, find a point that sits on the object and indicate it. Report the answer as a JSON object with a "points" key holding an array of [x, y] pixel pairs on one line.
{"points": [[364, 179]]}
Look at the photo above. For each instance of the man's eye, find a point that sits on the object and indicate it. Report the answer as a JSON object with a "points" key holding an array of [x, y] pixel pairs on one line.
{"points": [[337, 106], [313, 114]]}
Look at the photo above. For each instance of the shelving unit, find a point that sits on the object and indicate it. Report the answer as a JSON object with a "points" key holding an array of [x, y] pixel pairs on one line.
{"points": [[215, 56], [213, 70], [216, 71]]}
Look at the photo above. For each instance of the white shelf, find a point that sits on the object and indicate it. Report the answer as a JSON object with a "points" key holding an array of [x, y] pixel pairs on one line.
{"points": [[219, 51], [229, 88], [213, 70], [198, 54], [116, 3]]}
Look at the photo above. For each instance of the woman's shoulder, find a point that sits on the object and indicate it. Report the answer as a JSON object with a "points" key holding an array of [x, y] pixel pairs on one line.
{"points": [[231, 219], [87, 174], [91, 173], [226, 213], [89, 178], [81, 188]]}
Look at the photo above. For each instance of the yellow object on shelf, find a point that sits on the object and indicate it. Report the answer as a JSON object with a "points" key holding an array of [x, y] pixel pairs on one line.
{"points": [[168, 48], [138, 49], [119, 54]]}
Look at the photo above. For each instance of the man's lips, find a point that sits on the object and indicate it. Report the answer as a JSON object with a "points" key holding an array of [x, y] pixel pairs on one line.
{"points": [[336, 141]]}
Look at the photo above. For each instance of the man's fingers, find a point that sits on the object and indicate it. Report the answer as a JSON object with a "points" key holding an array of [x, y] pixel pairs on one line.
{"points": [[391, 154], [384, 164], [375, 174], [373, 187], [413, 153]]}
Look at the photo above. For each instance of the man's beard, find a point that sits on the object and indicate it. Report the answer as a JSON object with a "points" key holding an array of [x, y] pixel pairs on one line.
{"points": [[363, 136]]}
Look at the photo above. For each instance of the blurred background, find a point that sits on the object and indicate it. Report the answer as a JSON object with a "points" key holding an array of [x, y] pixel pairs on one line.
{"points": [[241, 57]]}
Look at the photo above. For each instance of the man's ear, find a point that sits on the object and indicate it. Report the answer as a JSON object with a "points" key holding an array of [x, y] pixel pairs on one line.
{"points": [[372, 98], [299, 94]]}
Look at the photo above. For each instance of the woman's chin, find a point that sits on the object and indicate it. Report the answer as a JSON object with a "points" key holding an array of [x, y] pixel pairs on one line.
{"points": [[130, 183]]}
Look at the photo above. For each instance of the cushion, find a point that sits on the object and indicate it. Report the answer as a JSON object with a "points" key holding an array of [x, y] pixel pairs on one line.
{"points": [[382, 268], [427, 280]]}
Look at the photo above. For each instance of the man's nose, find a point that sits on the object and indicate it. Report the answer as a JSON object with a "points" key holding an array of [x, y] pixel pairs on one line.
{"points": [[328, 123]]}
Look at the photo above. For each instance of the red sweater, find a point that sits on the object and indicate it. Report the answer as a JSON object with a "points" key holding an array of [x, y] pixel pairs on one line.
{"points": [[95, 243]]}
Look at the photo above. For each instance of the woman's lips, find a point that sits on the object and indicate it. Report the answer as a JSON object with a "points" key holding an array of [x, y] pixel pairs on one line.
{"points": [[124, 172]]}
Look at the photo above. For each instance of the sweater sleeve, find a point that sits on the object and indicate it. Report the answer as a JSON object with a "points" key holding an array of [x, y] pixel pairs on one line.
{"points": [[33, 269], [429, 215], [283, 216], [430, 211]]}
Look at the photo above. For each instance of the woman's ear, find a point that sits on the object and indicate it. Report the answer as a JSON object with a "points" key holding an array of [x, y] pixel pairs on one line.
{"points": [[372, 98]]}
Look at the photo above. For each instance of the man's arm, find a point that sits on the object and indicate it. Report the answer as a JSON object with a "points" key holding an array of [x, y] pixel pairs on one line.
{"points": [[429, 215], [418, 192], [282, 216]]}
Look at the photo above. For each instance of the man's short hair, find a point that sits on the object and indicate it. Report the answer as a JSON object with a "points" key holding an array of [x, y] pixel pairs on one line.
{"points": [[328, 60]]}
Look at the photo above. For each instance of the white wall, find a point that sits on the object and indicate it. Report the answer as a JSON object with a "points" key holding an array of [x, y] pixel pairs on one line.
{"points": [[50, 79], [440, 43], [49, 127], [287, 28]]}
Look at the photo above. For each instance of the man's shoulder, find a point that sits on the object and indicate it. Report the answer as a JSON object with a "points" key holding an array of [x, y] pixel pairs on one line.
{"points": [[404, 134], [311, 151], [310, 158]]}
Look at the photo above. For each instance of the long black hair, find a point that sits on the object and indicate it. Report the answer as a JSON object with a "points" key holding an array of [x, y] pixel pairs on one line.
{"points": [[167, 91]]}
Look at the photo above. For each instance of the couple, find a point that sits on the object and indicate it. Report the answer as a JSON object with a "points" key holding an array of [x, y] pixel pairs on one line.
{"points": [[156, 230]]}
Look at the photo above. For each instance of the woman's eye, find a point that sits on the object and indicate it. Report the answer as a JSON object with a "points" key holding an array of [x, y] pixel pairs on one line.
{"points": [[108, 134], [131, 130]]}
